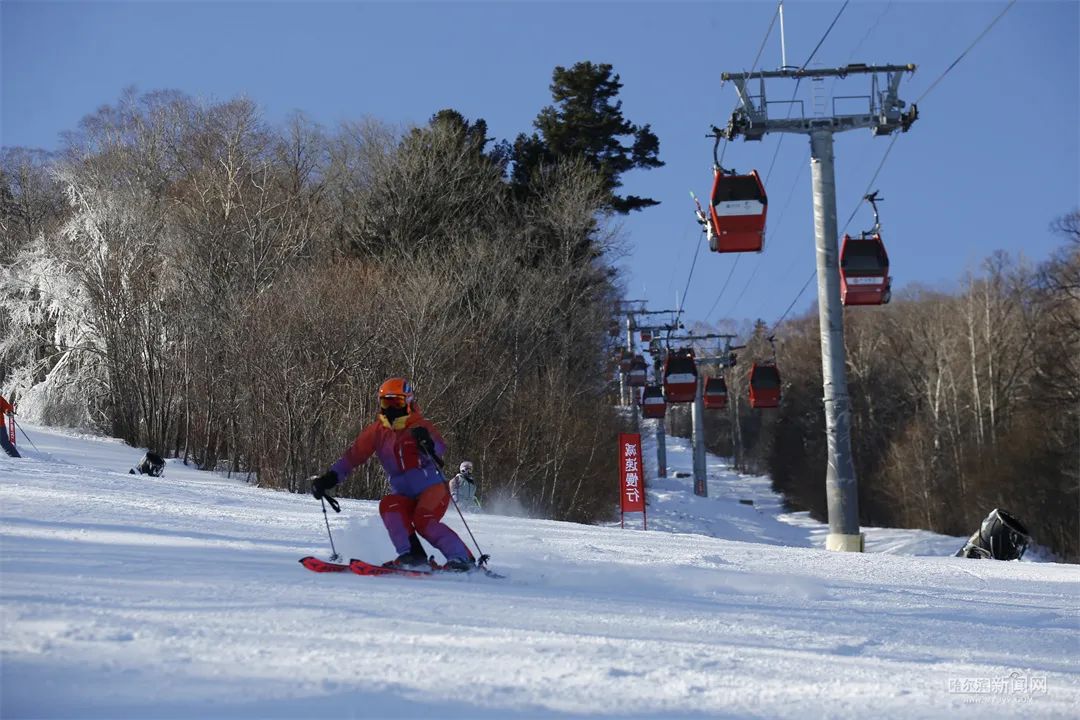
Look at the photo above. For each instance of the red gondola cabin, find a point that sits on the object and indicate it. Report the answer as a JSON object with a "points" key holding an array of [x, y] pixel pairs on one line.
{"points": [[680, 376], [639, 372], [715, 393], [738, 208], [652, 401], [764, 386], [864, 271]]}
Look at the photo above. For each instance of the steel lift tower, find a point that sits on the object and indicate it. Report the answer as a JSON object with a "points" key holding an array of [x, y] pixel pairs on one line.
{"points": [[885, 113]]}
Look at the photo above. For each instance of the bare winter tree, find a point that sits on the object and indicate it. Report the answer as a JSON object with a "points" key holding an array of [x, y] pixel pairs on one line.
{"points": [[959, 404]]}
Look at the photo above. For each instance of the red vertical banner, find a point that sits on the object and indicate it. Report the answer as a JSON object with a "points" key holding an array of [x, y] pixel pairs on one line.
{"points": [[631, 477]]}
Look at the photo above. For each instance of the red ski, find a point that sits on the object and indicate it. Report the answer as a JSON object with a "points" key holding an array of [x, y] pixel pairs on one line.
{"points": [[365, 568], [314, 564], [359, 567]]}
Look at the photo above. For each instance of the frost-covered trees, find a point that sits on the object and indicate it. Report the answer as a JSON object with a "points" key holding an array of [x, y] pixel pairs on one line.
{"points": [[191, 279]]}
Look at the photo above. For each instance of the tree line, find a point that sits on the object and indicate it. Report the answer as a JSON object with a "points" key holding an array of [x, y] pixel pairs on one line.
{"points": [[190, 278], [960, 402]]}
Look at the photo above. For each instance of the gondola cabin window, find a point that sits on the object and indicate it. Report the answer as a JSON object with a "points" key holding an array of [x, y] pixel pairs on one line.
{"points": [[639, 371], [652, 401], [715, 395], [680, 376]]}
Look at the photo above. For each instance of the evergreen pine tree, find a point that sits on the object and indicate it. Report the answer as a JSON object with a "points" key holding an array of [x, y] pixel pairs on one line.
{"points": [[587, 121]]}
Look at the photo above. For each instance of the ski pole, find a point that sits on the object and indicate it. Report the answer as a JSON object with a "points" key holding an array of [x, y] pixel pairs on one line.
{"points": [[439, 462], [482, 560], [23, 432], [334, 557]]}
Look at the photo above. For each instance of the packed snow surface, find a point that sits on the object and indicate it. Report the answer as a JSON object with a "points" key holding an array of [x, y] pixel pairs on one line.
{"points": [[133, 597]]}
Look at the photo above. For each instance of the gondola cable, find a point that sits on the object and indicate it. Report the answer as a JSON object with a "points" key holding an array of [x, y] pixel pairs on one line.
{"points": [[719, 160], [881, 165], [772, 164], [768, 33], [798, 80]]}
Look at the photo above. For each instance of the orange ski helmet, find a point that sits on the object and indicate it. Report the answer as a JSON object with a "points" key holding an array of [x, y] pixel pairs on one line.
{"points": [[395, 391]]}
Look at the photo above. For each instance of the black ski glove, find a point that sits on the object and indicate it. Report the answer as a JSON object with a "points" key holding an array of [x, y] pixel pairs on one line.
{"points": [[321, 483], [424, 440]]}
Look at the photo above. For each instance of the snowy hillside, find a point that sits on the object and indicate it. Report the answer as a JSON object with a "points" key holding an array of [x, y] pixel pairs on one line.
{"points": [[133, 597]]}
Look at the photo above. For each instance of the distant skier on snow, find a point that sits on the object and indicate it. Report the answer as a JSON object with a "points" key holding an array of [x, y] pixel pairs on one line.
{"points": [[5, 440], [463, 486], [410, 448]]}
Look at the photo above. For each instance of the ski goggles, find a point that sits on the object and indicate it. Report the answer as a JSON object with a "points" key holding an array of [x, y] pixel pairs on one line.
{"points": [[393, 401]]}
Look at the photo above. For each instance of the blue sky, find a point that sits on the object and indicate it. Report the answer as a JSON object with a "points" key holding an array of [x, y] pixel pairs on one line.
{"points": [[992, 161]]}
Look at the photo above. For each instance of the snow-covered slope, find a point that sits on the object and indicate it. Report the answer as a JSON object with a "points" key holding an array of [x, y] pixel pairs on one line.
{"points": [[742, 507], [124, 596]]}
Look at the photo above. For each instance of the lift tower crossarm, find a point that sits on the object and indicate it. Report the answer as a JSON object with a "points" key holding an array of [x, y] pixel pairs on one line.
{"points": [[853, 69], [657, 328], [885, 110], [693, 338], [631, 317]]}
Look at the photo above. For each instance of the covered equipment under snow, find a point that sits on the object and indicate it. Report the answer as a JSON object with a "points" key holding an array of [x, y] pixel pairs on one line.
{"points": [[1000, 537], [151, 464]]}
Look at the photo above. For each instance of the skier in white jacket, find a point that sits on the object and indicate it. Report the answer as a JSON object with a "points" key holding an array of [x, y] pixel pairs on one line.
{"points": [[463, 486]]}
